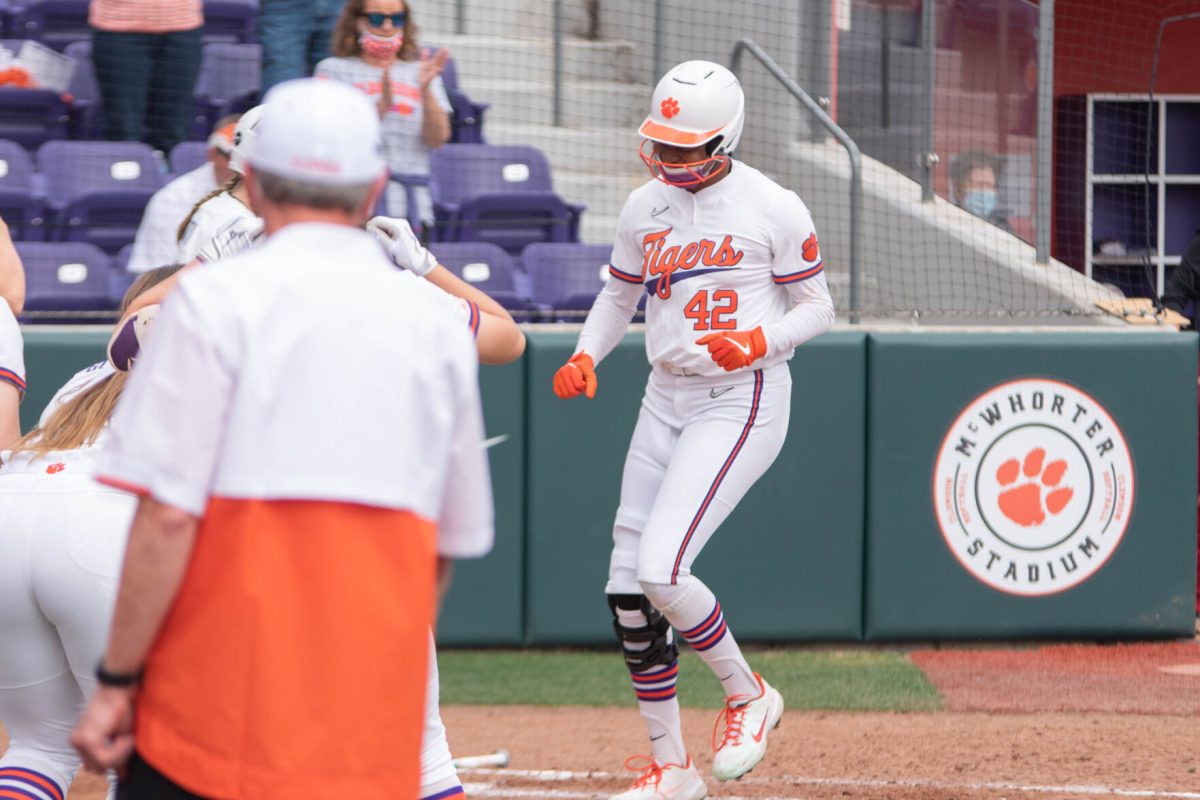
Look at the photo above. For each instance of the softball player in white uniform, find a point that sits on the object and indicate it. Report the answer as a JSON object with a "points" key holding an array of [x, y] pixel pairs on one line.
{"points": [[12, 376], [62, 536], [729, 263]]}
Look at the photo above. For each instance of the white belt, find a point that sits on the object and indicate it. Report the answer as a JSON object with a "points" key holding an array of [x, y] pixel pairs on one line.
{"points": [[678, 371]]}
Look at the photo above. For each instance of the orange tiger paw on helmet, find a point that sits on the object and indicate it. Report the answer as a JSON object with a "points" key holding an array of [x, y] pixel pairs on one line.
{"points": [[576, 376], [735, 349]]}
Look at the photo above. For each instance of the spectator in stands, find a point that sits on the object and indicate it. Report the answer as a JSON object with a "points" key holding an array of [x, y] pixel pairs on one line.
{"points": [[12, 272], [295, 36], [147, 58], [375, 48], [1183, 295], [974, 178], [157, 240]]}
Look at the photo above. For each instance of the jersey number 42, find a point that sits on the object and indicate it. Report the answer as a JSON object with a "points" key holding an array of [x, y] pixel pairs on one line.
{"points": [[711, 310]]}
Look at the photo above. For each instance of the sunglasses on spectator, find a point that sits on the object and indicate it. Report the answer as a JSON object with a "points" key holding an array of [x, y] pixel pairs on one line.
{"points": [[375, 18]]}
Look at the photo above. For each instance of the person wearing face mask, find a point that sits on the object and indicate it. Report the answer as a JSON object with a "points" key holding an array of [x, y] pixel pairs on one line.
{"points": [[729, 266], [375, 49], [974, 177]]}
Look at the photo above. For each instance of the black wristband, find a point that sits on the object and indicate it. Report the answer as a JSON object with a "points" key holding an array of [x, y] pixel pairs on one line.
{"points": [[121, 680]]}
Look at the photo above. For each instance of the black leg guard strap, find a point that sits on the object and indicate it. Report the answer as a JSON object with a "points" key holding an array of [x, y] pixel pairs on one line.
{"points": [[661, 650]]}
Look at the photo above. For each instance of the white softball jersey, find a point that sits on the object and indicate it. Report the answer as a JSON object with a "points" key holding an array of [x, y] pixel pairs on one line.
{"points": [[155, 244], [207, 222], [241, 395], [12, 350], [735, 255]]}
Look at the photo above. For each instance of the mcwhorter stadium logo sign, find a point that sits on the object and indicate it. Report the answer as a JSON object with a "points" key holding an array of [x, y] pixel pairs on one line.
{"points": [[1033, 487]]}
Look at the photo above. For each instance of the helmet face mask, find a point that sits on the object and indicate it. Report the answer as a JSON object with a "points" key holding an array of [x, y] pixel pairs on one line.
{"points": [[697, 104], [684, 176]]}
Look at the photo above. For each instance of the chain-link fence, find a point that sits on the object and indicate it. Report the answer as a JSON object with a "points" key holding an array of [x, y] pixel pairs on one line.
{"points": [[1017, 160]]}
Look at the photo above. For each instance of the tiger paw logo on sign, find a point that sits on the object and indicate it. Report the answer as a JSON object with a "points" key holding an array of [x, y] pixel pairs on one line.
{"points": [[1033, 487]]}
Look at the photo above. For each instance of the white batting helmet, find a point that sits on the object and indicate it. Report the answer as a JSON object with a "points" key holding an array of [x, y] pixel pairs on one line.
{"points": [[242, 134], [696, 103]]}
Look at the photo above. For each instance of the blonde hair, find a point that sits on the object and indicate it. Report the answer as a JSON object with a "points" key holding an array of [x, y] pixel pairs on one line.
{"points": [[230, 185], [77, 422]]}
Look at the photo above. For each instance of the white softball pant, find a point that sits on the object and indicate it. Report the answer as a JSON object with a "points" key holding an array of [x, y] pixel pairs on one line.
{"points": [[699, 445], [62, 540]]}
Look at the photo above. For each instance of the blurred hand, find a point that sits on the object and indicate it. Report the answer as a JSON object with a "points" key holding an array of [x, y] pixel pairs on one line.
{"points": [[104, 734], [431, 66]]}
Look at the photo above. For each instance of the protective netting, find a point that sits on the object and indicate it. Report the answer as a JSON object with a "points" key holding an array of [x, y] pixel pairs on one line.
{"points": [[514, 162]]}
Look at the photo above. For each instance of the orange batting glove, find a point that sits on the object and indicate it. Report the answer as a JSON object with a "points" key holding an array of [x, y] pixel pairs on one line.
{"points": [[735, 349], [577, 375]]}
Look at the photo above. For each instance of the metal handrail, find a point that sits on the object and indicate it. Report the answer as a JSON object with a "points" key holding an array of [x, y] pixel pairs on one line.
{"points": [[856, 195]]}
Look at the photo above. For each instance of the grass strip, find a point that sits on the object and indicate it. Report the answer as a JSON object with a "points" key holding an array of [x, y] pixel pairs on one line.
{"points": [[849, 681]]}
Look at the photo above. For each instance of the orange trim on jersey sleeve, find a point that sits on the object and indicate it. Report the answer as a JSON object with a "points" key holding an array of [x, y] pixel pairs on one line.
{"points": [[295, 655], [663, 133], [802, 275], [124, 486], [624, 276]]}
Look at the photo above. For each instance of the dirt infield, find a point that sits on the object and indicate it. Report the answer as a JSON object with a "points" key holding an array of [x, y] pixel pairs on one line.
{"points": [[1072, 721], [1158, 678]]}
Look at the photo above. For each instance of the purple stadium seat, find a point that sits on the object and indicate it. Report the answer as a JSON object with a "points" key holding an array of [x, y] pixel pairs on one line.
{"points": [[65, 276], [20, 207], [566, 277], [54, 23], [230, 21], [87, 110], [488, 268], [96, 191], [119, 280], [229, 82], [466, 120], [30, 117], [186, 156], [501, 194]]}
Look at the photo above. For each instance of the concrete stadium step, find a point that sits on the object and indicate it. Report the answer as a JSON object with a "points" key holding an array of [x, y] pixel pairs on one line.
{"points": [[604, 195], [593, 104], [598, 229], [860, 105], [491, 58], [610, 151], [517, 19]]}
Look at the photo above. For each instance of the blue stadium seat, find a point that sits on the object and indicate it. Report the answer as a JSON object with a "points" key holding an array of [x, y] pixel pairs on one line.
{"points": [[20, 206], [229, 82], [230, 21], [488, 268], [501, 194], [87, 109], [97, 191], [54, 23], [65, 276], [567, 277], [187, 156]]}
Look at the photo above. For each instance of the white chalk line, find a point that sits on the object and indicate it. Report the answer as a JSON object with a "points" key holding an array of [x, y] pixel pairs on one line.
{"points": [[550, 776]]}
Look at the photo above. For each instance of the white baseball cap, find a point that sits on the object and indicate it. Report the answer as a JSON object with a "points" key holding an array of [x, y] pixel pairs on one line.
{"points": [[320, 132]]}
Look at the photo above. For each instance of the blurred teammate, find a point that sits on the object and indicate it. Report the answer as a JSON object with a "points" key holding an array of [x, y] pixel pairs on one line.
{"points": [[294, 537], [60, 555], [729, 263], [157, 240], [12, 347]]}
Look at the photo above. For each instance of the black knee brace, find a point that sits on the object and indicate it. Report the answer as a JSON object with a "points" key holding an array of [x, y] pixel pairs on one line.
{"points": [[661, 649]]}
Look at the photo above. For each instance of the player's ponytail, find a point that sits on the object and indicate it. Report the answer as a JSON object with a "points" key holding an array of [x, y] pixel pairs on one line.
{"points": [[230, 185]]}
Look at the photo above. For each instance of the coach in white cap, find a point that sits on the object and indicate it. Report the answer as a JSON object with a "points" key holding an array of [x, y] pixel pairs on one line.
{"points": [[306, 436]]}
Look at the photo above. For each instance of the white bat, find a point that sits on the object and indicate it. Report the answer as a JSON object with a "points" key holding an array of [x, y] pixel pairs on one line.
{"points": [[500, 759]]}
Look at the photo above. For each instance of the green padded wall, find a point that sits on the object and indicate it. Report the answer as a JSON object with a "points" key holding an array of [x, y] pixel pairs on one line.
{"points": [[486, 602], [786, 565], [52, 355], [923, 583]]}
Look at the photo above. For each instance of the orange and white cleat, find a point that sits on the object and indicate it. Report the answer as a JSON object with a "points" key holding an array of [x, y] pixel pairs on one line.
{"points": [[747, 723], [663, 781]]}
